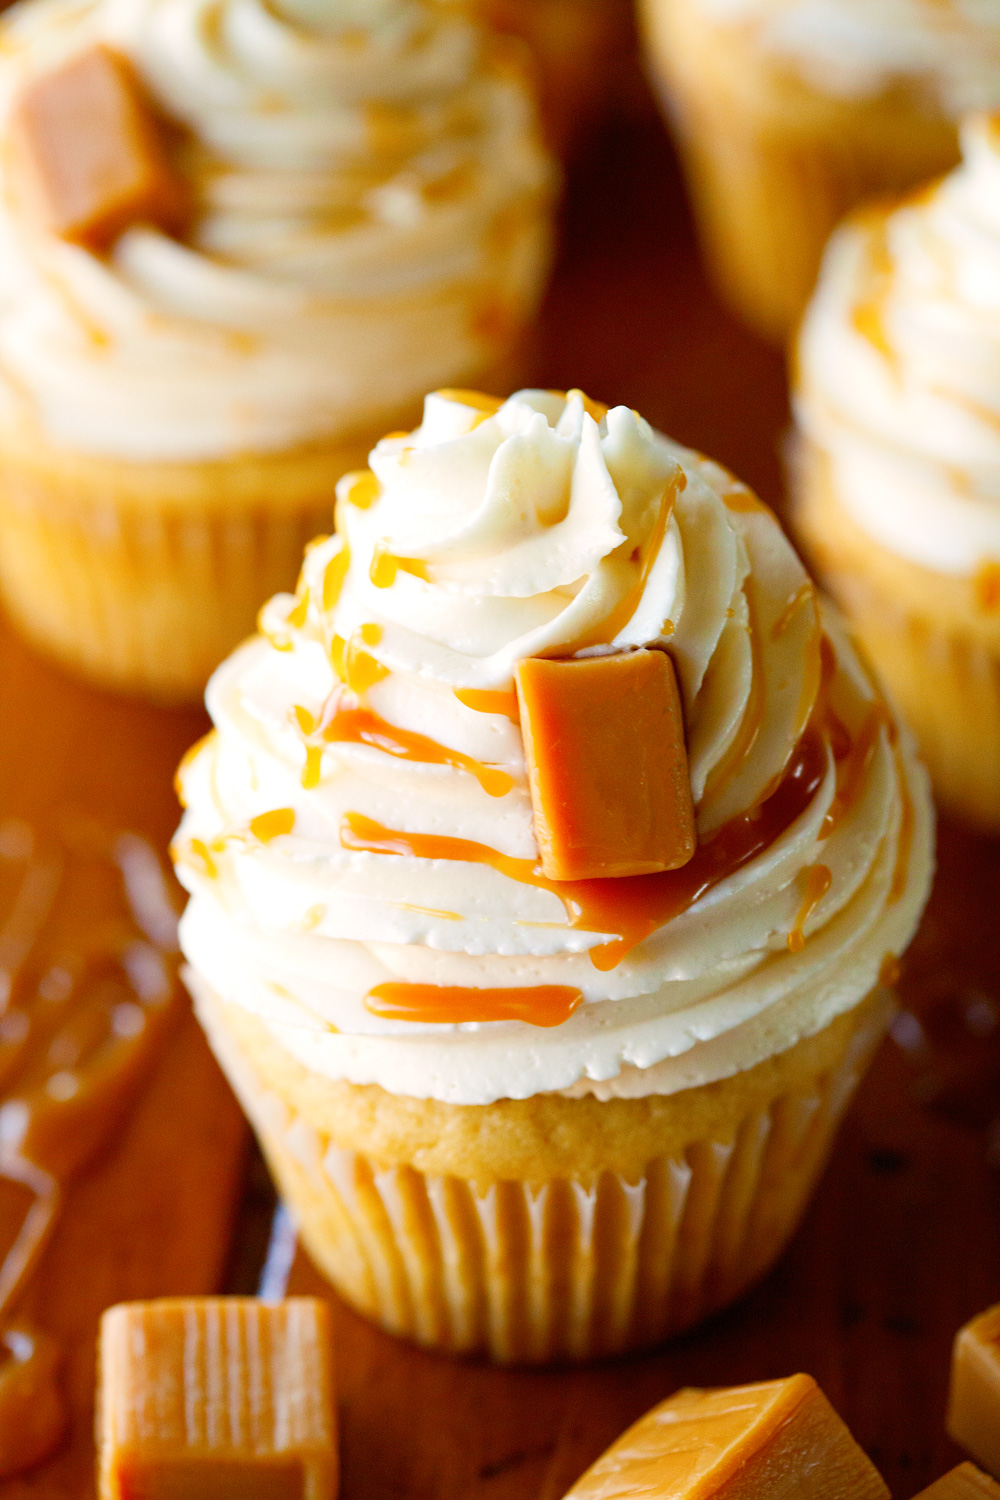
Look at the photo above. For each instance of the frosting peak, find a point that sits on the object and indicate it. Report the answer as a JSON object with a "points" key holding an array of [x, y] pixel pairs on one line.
{"points": [[361, 824]]}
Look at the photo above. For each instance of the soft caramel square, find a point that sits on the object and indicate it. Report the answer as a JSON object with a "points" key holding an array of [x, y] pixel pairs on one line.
{"points": [[217, 1398], [91, 154], [752, 1442], [607, 764]]}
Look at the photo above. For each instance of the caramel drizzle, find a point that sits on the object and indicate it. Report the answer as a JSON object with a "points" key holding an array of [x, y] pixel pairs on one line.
{"points": [[542, 1005], [346, 721], [487, 701], [631, 907]]}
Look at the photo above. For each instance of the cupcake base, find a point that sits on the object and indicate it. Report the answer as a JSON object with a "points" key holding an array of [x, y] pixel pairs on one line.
{"points": [[773, 164], [550, 1228], [143, 577], [932, 638]]}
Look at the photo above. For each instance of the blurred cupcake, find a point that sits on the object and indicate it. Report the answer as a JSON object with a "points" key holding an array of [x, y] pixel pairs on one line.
{"points": [[789, 112], [546, 1117], [898, 405], [576, 45], [350, 205]]}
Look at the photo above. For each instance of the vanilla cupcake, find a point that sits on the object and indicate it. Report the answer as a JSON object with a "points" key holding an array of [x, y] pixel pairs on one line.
{"points": [[368, 216], [538, 1117], [898, 469], [789, 112], [575, 45]]}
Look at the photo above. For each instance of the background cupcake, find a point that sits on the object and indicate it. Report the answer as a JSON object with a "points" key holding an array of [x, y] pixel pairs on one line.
{"points": [[789, 112], [898, 405], [369, 215], [576, 45], [541, 1118]]}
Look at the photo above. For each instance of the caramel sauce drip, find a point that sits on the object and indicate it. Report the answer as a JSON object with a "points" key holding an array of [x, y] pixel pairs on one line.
{"points": [[346, 721], [88, 976], [889, 971], [353, 664], [542, 1005], [632, 907], [385, 566], [819, 879], [986, 586], [487, 701], [271, 825], [33, 1415], [868, 313]]}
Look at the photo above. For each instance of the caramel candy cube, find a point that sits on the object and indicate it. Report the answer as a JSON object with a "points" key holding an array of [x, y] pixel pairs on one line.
{"points": [[964, 1483], [216, 1398], [607, 764], [90, 146], [974, 1398], [773, 1441]]}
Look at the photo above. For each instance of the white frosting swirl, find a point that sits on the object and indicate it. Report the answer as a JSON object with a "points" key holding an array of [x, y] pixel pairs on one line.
{"points": [[539, 529], [372, 221], [900, 367], [857, 48]]}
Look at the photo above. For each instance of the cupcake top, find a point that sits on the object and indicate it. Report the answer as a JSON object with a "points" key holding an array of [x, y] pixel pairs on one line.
{"points": [[369, 219], [948, 49], [900, 366], [360, 817]]}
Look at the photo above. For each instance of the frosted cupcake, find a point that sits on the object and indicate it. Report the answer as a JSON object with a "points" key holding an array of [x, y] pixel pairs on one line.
{"points": [[367, 215], [789, 112], [899, 471], [545, 1117]]}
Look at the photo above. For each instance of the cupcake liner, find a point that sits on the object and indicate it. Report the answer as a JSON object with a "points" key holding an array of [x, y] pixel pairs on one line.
{"points": [[564, 1269], [772, 164], [934, 648], [145, 580]]}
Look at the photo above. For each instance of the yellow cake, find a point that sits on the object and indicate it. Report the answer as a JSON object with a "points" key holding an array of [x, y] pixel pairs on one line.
{"points": [[898, 411], [320, 221], [538, 1116], [788, 114]]}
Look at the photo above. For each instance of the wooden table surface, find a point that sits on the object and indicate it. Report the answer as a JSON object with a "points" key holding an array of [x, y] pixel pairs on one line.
{"points": [[902, 1242]]}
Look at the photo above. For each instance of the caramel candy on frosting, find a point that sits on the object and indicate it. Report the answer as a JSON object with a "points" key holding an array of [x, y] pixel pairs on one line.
{"points": [[974, 1399], [781, 1440], [89, 142], [964, 1483], [217, 1398], [607, 764]]}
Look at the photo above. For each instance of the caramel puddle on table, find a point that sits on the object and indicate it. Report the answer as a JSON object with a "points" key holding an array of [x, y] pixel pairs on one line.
{"points": [[88, 995]]}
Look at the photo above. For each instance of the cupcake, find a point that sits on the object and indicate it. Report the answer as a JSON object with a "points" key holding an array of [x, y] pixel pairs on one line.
{"points": [[572, 43], [789, 112], [352, 206], [546, 1117], [898, 463]]}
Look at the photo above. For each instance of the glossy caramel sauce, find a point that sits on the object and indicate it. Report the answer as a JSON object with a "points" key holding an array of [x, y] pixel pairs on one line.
{"points": [[986, 586], [346, 720], [819, 879], [88, 995], [542, 1005], [271, 825], [385, 566], [634, 906]]}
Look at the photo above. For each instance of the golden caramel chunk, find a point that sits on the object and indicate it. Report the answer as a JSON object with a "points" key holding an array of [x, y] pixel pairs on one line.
{"points": [[92, 152], [974, 1398], [778, 1441], [217, 1398], [964, 1483], [607, 764]]}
